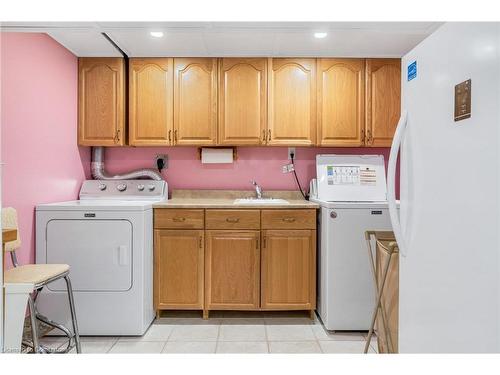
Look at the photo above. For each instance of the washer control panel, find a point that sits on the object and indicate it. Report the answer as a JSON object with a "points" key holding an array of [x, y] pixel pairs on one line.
{"points": [[124, 189]]}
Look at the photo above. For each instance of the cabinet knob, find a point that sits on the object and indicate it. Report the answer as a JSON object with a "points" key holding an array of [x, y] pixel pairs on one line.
{"points": [[333, 215], [179, 219], [289, 219], [232, 219]]}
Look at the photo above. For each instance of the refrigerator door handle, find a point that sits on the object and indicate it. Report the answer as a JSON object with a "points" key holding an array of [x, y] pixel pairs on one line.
{"points": [[391, 182]]}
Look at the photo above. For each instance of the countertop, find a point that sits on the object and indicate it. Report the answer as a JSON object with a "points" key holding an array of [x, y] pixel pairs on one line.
{"points": [[225, 199]]}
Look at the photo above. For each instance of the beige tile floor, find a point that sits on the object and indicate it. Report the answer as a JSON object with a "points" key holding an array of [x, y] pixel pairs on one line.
{"points": [[229, 332]]}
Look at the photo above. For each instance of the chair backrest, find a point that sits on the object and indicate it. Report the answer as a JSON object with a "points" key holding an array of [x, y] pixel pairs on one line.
{"points": [[9, 221]]}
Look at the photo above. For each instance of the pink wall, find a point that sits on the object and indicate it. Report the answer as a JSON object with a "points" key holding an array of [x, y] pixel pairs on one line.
{"points": [[260, 163], [42, 162]]}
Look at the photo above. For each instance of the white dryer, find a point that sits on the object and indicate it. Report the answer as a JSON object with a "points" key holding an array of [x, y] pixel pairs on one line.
{"points": [[107, 239]]}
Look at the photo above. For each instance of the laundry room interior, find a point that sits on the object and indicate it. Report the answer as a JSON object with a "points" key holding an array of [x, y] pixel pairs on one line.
{"points": [[249, 186]]}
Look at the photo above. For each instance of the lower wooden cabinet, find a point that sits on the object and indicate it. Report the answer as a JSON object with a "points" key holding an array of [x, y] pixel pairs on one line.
{"points": [[223, 259], [232, 270], [178, 269], [288, 270]]}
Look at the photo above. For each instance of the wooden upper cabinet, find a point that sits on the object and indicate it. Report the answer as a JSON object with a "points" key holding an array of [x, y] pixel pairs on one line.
{"points": [[292, 102], [288, 270], [341, 102], [179, 268], [232, 269], [195, 101], [383, 100], [151, 101], [101, 101], [242, 101]]}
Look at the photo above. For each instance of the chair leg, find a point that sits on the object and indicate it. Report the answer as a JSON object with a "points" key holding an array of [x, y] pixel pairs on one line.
{"points": [[73, 314], [34, 329]]}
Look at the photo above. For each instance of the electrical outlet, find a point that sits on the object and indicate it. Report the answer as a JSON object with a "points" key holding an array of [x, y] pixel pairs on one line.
{"points": [[161, 157], [288, 168], [291, 150]]}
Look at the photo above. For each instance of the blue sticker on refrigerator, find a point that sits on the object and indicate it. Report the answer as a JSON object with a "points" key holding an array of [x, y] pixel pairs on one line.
{"points": [[412, 71]]}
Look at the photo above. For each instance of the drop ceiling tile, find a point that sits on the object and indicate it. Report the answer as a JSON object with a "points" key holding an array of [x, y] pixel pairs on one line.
{"points": [[240, 43], [139, 43], [85, 43]]}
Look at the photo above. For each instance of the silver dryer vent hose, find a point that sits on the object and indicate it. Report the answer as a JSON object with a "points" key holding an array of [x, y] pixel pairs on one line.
{"points": [[99, 172]]}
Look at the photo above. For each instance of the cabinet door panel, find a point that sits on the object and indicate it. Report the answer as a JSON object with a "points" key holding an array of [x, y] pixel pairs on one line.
{"points": [[179, 271], [150, 101], [289, 269], [232, 270], [242, 101], [292, 102], [383, 100], [195, 101], [341, 102], [101, 101]]}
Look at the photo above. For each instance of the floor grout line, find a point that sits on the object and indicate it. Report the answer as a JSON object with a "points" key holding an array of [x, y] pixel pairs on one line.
{"points": [[267, 338], [320, 348], [112, 346], [163, 347]]}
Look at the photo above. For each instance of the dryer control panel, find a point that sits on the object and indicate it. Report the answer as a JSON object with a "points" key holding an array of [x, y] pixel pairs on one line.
{"points": [[150, 190]]}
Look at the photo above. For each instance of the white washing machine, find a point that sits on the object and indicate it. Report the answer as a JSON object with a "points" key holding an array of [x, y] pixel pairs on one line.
{"points": [[351, 190], [107, 239]]}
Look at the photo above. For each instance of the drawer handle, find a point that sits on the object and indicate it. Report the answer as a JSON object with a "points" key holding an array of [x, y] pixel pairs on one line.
{"points": [[179, 219], [233, 219], [289, 219]]}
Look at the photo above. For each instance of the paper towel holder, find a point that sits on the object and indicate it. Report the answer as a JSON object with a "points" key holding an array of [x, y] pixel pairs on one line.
{"points": [[235, 153]]}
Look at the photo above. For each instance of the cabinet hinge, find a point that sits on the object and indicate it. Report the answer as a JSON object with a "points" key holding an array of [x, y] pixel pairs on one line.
{"points": [[264, 242], [201, 242], [257, 244]]}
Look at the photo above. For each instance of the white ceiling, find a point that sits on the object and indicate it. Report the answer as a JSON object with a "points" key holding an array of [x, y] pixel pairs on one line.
{"points": [[345, 39]]}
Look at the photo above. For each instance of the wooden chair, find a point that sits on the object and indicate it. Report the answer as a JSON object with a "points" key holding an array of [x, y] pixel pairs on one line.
{"points": [[40, 275]]}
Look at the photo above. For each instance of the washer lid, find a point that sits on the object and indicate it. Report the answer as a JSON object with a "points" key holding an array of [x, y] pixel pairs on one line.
{"points": [[337, 204]]}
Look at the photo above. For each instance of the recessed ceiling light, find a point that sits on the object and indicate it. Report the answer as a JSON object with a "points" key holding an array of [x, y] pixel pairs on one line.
{"points": [[157, 34], [320, 35]]}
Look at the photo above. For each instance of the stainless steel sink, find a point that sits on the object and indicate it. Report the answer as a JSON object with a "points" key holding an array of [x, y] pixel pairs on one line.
{"points": [[258, 201]]}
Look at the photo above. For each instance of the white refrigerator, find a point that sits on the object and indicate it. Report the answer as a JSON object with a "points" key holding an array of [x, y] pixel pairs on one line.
{"points": [[449, 229]]}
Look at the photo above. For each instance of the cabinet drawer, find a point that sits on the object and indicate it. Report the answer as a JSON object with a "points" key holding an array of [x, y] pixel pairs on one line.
{"points": [[233, 219], [289, 219], [172, 219]]}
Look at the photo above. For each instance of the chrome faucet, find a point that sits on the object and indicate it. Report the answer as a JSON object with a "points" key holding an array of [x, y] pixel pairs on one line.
{"points": [[258, 189]]}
